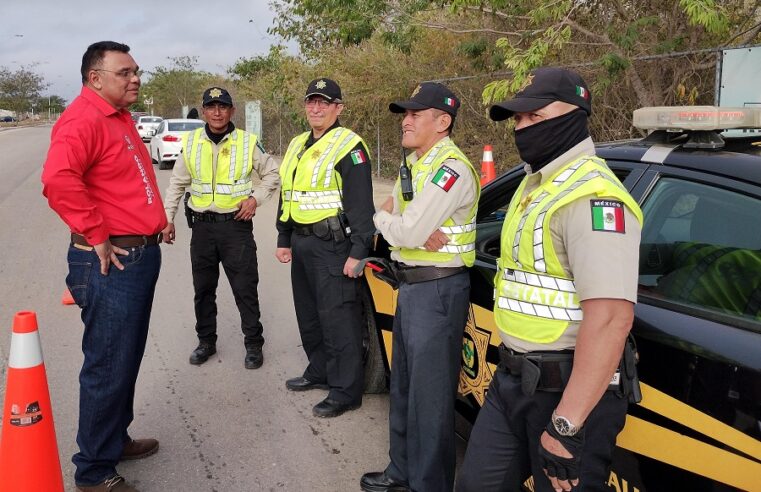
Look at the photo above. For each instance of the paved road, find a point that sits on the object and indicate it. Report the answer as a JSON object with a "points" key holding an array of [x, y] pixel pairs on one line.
{"points": [[221, 427]]}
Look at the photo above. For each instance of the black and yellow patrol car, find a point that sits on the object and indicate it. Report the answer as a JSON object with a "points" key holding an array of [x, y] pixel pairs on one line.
{"points": [[698, 319]]}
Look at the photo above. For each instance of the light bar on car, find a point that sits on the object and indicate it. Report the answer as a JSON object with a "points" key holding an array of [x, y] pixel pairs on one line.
{"points": [[696, 118]]}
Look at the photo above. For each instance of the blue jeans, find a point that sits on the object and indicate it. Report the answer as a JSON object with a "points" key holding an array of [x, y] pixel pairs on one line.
{"points": [[116, 310]]}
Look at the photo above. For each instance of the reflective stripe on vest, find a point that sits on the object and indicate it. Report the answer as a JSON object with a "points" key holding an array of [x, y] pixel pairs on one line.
{"points": [[462, 237], [535, 299], [311, 189], [231, 183]]}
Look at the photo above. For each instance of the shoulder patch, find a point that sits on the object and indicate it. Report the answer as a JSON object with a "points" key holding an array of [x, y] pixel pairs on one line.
{"points": [[445, 177], [608, 216], [358, 156]]}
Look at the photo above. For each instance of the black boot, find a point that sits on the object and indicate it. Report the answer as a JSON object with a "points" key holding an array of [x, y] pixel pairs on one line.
{"points": [[202, 353], [254, 358]]}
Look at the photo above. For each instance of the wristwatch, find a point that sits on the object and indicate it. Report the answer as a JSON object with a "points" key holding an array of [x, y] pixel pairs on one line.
{"points": [[563, 426]]}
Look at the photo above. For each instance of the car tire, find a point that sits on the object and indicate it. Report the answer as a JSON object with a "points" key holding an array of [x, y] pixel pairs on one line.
{"points": [[376, 380]]}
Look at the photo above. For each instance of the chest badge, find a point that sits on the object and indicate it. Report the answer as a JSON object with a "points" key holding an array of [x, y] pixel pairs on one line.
{"points": [[315, 154], [129, 143], [224, 152]]}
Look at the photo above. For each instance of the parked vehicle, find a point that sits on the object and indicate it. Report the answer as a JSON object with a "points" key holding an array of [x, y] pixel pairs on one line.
{"points": [[166, 143], [147, 125], [698, 318]]}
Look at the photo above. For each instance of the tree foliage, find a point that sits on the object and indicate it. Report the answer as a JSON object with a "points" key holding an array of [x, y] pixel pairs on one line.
{"points": [[20, 89], [632, 53], [180, 84]]}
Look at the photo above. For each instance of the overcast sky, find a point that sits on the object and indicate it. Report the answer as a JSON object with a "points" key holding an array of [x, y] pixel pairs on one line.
{"points": [[55, 33]]}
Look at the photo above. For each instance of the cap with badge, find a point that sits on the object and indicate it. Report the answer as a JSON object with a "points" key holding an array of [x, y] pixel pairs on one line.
{"points": [[546, 85], [329, 89], [216, 95], [428, 95]]}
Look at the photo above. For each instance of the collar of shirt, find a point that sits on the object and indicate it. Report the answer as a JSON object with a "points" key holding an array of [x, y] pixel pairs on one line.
{"points": [[103, 106], [585, 147], [413, 158], [311, 140], [218, 137]]}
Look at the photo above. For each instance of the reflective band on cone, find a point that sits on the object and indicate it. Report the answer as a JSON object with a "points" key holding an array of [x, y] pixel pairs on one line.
{"points": [[28, 449]]}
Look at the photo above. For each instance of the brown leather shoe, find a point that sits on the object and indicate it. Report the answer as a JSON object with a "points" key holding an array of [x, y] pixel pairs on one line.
{"points": [[113, 484], [136, 449]]}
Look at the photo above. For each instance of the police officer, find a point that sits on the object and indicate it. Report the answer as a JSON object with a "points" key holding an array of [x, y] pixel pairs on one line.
{"points": [[564, 303], [432, 233], [325, 228], [217, 163]]}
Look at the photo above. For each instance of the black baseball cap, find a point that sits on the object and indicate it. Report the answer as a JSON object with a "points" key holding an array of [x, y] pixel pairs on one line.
{"points": [[428, 95], [217, 95], [546, 85], [329, 89]]}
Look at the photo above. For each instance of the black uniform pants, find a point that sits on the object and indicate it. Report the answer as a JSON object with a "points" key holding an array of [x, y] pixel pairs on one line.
{"points": [[232, 244], [502, 449], [329, 315], [425, 369]]}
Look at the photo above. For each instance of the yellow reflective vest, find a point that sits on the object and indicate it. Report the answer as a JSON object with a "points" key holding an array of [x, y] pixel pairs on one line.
{"points": [[462, 236], [311, 186], [535, 300], [231, 183]]}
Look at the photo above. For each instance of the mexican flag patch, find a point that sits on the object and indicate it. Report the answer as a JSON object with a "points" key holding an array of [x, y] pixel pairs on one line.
{"points": [[449, 102], [582, 92], [608, 216], [445, 177], [358, 156]]}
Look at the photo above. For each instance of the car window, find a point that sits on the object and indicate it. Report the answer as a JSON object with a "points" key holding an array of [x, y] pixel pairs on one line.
{"points": [[185, 126], [150, 119], [160, 129], [701, 248]]}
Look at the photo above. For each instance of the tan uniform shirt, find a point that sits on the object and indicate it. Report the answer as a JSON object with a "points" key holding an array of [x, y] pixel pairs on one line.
{"points": [[602, 264], [428, 211], [265, 166]]}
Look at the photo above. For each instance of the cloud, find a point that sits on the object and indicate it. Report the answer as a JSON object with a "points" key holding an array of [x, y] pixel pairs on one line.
{"points": [[55, 34]]}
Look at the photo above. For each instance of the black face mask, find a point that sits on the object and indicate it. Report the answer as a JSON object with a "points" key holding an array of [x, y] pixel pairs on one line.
{"points": [[539, 144]]}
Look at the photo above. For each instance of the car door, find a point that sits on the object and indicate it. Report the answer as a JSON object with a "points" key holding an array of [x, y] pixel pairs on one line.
{"points": [[698, 329]]}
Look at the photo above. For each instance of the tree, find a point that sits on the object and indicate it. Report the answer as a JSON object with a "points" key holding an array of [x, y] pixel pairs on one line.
{"points": [[19, 90], [175, 86]]}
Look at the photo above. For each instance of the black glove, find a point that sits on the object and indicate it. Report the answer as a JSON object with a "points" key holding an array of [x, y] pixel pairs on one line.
{"points": [[557, 466]]}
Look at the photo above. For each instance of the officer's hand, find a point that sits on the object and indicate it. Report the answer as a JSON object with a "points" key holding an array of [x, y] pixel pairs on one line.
{"points": [[107, 254], [351, 263], [247, 209], [436, 241], [388, 205], [560, 457], [167, 234], [283, 255]]}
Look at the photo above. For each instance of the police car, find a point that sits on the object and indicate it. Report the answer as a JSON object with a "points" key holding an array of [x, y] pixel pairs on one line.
{"points": [[698, 318]]}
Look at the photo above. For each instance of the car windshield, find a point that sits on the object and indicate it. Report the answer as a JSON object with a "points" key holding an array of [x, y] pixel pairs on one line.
{"points": [[185, 126]]}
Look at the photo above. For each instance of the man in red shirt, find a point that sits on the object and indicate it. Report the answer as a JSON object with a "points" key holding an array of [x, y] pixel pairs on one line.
{"points": [[98, 178]]}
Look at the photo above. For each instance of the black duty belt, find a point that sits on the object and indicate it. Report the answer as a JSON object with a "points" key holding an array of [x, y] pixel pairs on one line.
{"points": [[320, 229], [554, 368], [416, 274], [130, 241], [212, 217]]}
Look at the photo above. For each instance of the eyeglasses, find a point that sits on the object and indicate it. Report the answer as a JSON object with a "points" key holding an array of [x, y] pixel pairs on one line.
{"points": [[124, 74], [222, 108], [318, 101]]}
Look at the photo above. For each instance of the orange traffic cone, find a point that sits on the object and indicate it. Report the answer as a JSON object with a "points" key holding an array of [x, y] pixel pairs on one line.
{"points": [[66, 299], [28, 449], [487, 166]]}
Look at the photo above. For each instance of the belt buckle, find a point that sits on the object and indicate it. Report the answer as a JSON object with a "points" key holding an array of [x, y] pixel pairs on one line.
{"points": [[145, 240]]}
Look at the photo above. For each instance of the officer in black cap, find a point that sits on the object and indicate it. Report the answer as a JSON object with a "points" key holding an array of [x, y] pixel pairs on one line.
{"points": [[325, 228], [430, 222], [564, 304], [217, 165]]}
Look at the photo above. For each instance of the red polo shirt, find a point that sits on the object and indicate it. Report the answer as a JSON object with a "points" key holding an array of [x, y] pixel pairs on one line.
{"points": [[98, 175]]}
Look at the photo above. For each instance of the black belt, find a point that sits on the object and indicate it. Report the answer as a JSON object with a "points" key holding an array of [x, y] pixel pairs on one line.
{"points": [[130, 241], [212, 217], [554, 367], [416, 274], [320, 229]]}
